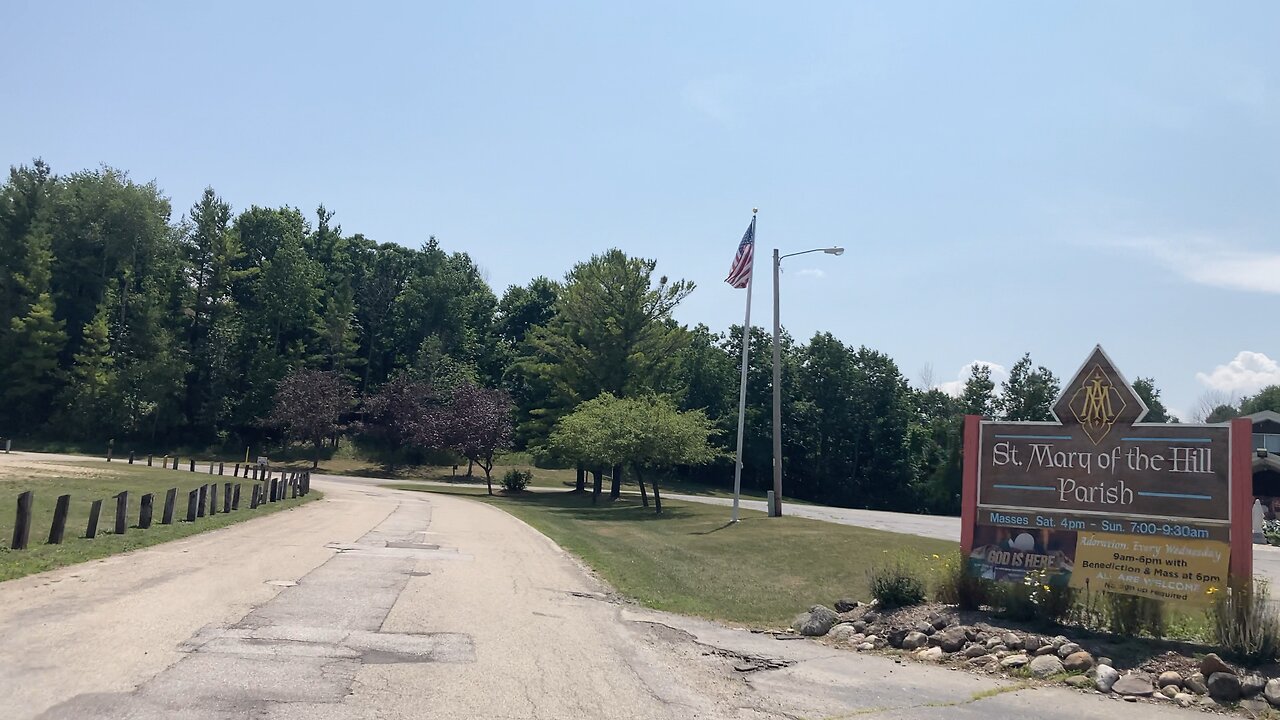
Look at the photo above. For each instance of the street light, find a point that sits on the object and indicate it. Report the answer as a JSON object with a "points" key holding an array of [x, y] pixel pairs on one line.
{"points": [[776, 510]]}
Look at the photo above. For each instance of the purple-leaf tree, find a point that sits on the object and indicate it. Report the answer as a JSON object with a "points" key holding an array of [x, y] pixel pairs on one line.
{"points": [[406, 413], [477, 423], [309, 405]]}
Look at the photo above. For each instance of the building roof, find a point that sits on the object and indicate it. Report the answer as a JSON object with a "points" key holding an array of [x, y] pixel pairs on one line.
{"points": [[1265, 421]]}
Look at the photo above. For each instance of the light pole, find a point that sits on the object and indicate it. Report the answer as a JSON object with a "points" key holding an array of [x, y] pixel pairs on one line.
{"points": [[776, 510]]}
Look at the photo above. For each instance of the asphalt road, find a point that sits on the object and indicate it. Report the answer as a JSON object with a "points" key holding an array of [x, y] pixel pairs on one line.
{"points": [[375, 603]]}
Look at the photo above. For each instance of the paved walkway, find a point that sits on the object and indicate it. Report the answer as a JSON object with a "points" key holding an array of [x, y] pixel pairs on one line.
{"points": [[375, 603]]}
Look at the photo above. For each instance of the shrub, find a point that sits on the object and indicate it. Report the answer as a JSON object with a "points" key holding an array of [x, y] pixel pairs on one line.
{"points": [[1131, 616], [516, 480], [896, 585], [954, 583], [1039, 597], [1244, 623]]}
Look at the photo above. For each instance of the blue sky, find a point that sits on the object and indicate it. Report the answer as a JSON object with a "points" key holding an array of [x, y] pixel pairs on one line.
{"points": [[1007, 177]]}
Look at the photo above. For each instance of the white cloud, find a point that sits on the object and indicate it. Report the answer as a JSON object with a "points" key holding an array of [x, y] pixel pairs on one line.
{"points": [[1209, 262], [1248, 372], [811, 272], [999, 374]]}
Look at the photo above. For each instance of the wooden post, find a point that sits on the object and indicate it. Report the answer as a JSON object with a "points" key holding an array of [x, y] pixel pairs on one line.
{"points": [[170, 499], [235, 498], [122, 512], [144, 513], [95, 510], [293, 488], [226, 497], [213, 499], [969, 483], [253, 498], [193, 499], [193, 465], [219, 467], [210, 467], [110, 447], [175, 462], [22, 523], [148, 460], [237, 471], [202, 499], [255, 473], [59, 519], [130, 457]]}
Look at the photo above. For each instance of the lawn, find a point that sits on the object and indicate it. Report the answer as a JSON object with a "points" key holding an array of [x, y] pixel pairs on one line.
{"points": [[89, 481], [760, 572]]}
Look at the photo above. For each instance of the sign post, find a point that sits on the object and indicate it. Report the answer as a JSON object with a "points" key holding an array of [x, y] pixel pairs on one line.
{"points": [[1100, 501]]}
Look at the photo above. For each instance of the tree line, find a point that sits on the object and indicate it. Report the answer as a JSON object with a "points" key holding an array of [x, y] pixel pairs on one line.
{"points": [[223, 328]]}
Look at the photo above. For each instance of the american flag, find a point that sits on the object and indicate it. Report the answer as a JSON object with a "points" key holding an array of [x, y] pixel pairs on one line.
{"points": [[740, 273]]}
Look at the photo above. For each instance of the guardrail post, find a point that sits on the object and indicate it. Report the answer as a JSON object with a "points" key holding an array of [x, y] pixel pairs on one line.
{"points": [[144, 513], [59, 519], [235, 499], [122, 512], [95, 511], [193, 499], [170, 499], [22, 523]]}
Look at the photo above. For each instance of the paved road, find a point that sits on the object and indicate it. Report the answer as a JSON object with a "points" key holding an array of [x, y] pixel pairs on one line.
{"points": [[381, 604]]}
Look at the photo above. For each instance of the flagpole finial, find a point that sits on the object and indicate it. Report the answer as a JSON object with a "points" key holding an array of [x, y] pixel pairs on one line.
{"points": [[755, 210]]}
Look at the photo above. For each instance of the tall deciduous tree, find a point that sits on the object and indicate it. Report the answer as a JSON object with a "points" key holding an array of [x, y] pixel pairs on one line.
{"points": [[477, 423], [309, 405], [1268, 398], [1146, 389]]}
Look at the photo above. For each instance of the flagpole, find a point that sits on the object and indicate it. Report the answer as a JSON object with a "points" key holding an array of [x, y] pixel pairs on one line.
{"points": [[742, 390]]}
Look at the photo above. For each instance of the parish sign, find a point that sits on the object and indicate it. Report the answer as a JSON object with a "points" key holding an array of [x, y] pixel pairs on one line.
{"points": [[1104, 502]]}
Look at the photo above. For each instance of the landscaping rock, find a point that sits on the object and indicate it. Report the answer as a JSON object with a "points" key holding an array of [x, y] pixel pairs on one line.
{"points": [[860, 626], [914, 640], [983, 660], [998, 650], [1136, 684], [866, 646], [941, 622], [1254, 705], [1213, 664], [1224, 687], [950, 640], [1272, 691], [1011, 641], [1047, 649], [1032, 643], [843, 632], [1195, 683], [1045, 666], [1252, 685], [1059, 641], [1169, 677], [1014, 661], [933, 654], [1080, 681], [896, 636], [817, 622], [844, 605], [975, 650], [926, 628], [1106, 661], [1170, 691], [1078, 662], [1184, 699], [1068, 649], [871, 616], [992, 642]]}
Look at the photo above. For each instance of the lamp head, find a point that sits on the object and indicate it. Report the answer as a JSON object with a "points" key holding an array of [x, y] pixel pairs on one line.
{"points": [[834, 251]]}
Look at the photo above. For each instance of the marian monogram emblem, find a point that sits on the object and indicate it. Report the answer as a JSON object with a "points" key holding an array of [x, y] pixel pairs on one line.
{"points": [[1097, 404]]}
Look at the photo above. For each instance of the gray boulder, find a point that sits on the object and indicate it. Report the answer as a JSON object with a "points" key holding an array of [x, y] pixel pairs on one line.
{"points": [[1011, 641], [1252, 685], [975, 650], [950, 640], [1169, 677], [843, 632], [1135, 684], [1048, 649], [926, 628], [1272, 692], [1224, 687], [914, 641], [1068, 649], [817, 622], [844, 605], [1105, 677], [1080, 681], [1032, 643], [1045, 666], [1195, 683], [1014, 661]]}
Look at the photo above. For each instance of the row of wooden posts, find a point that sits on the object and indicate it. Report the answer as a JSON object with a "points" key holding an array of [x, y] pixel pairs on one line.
{"points": [[200, 501]]}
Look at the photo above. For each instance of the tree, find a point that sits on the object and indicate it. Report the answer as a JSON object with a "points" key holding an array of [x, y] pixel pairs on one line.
{"points": [[403, 414], [31, 362], [1028, 394], [1150, 394], [477, 423], [1222, 413], [979, 394], [1268, 398], [612, 332], [309, 405]]}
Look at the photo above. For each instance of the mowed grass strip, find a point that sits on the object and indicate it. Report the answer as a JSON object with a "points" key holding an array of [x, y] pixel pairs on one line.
{"points": [[90, 481], [760, 572]]}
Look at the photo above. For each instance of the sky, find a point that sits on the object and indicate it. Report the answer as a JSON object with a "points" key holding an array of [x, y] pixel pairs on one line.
{"points": [[1006, 177]]}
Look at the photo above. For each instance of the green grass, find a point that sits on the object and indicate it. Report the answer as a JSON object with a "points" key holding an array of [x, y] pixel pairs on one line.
{"points": [[760, 572], [99, 481]]}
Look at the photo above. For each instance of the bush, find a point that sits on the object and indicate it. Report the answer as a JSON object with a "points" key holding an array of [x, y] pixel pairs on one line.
{"points": [[896, 585], [954, 583], [516, 480], [1039, 597], [1131, 616], [1244, 623]]}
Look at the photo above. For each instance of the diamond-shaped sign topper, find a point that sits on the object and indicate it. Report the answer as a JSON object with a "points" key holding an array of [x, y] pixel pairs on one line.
{"points": [[1099, 398]]}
